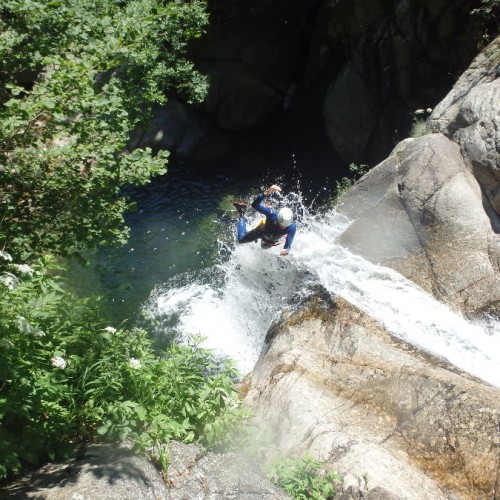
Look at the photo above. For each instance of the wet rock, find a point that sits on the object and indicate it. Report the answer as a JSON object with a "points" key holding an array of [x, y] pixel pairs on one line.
{"points": [[431, 209], [394, 421], [212, 476]]}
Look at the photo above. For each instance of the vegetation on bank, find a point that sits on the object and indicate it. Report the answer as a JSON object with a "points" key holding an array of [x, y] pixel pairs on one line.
{"points": [[76, 77], [345, 183], [67, 377]]}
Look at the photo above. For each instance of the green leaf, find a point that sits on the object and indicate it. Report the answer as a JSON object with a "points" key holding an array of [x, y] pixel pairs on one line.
{"points": [[102, 430]]}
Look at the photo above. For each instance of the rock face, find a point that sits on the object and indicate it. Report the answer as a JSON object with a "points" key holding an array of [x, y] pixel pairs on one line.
{"points": [[192, 475], [346, 73], [470, 115], [388, 418], [421, 212], [391, 58], [250, 53], [430, 210], [107, 472]]}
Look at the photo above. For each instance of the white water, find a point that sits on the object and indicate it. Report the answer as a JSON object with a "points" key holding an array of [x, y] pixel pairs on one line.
{"points": [[234, 309]]}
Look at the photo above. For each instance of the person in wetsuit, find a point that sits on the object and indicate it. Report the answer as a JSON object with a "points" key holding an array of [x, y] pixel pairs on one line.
{"points": [[276, 227]]}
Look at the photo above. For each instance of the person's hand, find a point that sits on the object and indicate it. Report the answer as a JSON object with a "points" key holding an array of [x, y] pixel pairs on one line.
{"points": [[272, 189], [284, 252]]}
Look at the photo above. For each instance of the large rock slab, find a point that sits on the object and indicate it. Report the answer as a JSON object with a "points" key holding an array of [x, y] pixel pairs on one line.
{"points": [[182, 130], [238, 99], [382, 413], [422, 212]]}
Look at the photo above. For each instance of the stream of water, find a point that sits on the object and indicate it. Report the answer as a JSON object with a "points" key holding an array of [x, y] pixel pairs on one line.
{"points": [[183, 268]]}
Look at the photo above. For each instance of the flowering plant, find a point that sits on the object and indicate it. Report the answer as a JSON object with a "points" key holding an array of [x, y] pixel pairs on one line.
{"points": [[66, 377]]}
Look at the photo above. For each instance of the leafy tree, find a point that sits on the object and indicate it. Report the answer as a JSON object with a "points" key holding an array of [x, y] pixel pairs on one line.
{"points": [[76, 77]]}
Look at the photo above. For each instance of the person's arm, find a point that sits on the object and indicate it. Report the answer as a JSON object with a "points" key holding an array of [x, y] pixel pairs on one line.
{"points": [[257, 203], [289, 239]]}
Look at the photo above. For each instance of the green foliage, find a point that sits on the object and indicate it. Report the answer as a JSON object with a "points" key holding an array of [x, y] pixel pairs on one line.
{"points": [[419, 122], [344, 184], [76, 77], [418, 128], [93, 69], [301, 478], [65, 377], [488, 8], [488, 15]]}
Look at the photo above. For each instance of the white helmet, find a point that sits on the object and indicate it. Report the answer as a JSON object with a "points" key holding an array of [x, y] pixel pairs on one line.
{"points": [[285, 217]]}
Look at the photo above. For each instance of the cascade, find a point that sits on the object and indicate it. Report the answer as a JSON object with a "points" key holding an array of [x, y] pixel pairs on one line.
{"points": [[233, 304]]}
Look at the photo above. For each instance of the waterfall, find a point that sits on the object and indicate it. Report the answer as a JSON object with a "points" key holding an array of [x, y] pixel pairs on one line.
{"points": [[233, 304]]}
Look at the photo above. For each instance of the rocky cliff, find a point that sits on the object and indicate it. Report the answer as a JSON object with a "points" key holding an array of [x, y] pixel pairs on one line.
{"points": [[343, 77], [430, 210]]}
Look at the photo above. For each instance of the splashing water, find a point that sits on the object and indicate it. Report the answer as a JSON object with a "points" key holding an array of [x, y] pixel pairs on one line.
{"points": [[234, 303]]}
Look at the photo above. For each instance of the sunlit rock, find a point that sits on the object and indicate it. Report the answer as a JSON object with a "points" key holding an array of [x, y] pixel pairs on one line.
{"points": [[430, 210], [332, 382], [114, 472], [194, 475], [421, 212], [470, 115]]}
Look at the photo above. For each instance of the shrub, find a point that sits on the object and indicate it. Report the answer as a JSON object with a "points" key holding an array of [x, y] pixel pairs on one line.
{"points": [[489, 8], [418, 128], [301, 478], [66, 376], [344, 184]]}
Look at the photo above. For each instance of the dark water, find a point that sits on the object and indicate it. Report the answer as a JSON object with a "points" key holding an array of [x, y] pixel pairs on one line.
{"points": [[184, 222]]}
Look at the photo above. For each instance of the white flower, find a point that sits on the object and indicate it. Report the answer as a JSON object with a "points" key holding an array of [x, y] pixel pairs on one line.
{"points": [[419, 111], [5, 256], [58, 362], [9, 280], [135, 364], [110, 329], [23, 324], [6, 344], [26, 327], [23, 269]]}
